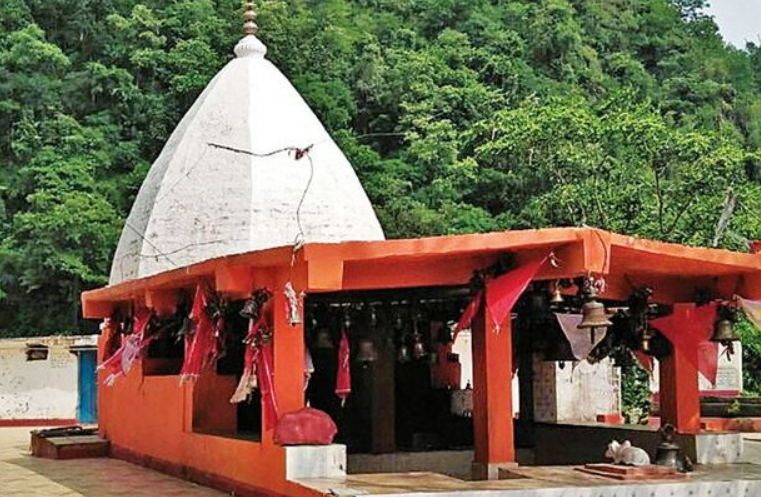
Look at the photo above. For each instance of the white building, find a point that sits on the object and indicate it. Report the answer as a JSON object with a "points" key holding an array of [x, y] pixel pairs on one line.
{"points": [[48, 380]]}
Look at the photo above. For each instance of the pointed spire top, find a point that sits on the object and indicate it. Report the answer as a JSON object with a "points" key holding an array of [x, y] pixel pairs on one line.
{"points": [[249, 18], [250, 46]]}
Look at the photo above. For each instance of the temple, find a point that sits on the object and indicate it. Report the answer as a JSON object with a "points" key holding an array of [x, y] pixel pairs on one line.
{"points": [[251, 196]]}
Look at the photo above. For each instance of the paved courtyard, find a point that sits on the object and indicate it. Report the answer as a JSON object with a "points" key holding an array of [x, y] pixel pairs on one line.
{"points": [[23, 475]]}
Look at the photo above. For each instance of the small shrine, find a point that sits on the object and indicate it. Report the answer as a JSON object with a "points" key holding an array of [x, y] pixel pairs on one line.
{"points": [[261, 336]]}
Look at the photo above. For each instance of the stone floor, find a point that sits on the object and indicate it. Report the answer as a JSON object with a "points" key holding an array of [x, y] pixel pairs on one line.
{"points": [[23, 475], [742, 480]]}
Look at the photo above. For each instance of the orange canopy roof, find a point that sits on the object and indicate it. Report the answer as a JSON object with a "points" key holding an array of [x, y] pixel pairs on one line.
{"points": [[674, 271]]}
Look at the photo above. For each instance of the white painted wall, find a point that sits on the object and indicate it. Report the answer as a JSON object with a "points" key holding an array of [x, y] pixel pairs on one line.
{"points": [[577, 392], [729, 377], [45, 389]]}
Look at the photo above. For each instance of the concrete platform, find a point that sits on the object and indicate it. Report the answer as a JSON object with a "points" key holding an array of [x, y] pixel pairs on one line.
{"points": [[741, 480], [75, 447]]}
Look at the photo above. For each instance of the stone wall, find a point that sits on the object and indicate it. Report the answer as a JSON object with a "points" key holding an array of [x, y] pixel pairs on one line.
{"points": [[575, 392], [43, 389]]}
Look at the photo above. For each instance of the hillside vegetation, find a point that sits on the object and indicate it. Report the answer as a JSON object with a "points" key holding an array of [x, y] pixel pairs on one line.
{"points": [[459, 116]]}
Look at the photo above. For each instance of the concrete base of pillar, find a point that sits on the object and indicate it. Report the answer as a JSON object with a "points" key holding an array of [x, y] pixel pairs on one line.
{"points": [[486, 471], [719, 448], [315, 461]]}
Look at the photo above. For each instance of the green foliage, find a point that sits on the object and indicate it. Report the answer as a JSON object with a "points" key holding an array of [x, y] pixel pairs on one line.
{"points": [[459, 115], [751, 356], [635, 392]]}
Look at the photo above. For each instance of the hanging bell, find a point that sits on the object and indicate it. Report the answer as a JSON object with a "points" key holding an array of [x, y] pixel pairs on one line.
{"points": [[418, 348], [323, 340], [250, 309], [404, 356], [724, 331], [538, 301], [594, 316], [645, 343], [556, 296], [366, 351]]}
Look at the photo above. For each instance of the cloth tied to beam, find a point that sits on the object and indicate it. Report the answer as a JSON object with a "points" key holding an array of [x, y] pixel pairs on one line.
{"points": [[501, 295], [691, 332], [132, 346], [645, 360], [752, 309], [201, 347], [248, 382], [264, 358], [258, 367], [580, 340], [343, 377]]}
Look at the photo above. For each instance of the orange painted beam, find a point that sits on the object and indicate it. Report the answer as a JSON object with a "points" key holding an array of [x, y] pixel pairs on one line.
{"points": [[679, 386], [94, 309], [412, 273], [164, 302], [492, 396], [233, 281], [361, 262], [325, 271]]}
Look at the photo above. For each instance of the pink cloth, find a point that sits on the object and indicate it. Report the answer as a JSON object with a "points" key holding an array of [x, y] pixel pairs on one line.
{"points": [[343, 378], [132, 347], [502, 293], [752, 309], [694, 331]]}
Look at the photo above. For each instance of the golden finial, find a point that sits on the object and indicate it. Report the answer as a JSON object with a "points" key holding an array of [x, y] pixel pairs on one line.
{"points": [[249, 18]]}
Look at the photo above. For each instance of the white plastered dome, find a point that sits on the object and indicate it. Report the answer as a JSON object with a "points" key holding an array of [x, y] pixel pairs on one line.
{"points": [[229, 179]]}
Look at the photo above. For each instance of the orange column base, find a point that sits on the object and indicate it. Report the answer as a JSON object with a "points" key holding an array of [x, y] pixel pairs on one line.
{"points": [[679, 387], [492, 398]]}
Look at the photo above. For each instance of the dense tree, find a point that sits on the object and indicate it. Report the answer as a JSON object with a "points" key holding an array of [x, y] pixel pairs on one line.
{"points": [[459, 116]]}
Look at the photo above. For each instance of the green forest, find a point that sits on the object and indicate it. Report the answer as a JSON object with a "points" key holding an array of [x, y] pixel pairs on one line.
{"points": [[459, 116]]}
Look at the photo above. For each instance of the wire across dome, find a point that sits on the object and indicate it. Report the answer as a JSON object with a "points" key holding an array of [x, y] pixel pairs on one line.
{"points": [[249, 167]]}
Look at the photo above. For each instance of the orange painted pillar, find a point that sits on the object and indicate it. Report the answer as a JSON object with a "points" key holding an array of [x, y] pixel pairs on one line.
{"points": [[679, 385], [492, 397], [289, 348]]}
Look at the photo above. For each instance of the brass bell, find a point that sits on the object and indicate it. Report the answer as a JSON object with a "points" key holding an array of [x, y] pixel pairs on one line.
{"points": [[250, 309], [556, 296], [538, 301], [667, 452], [404, 356], [724, 331], [418, 347], [594, 316], [323, 340], [366, 351], [646, 341]]}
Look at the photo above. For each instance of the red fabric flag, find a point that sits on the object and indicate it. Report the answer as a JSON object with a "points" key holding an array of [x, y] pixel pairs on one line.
{"points": [[645, 360], [248, 380], [693, 331], [502, 293], [133, 345], [202, 347], [469, 314], [264, 358], [343, 378]]}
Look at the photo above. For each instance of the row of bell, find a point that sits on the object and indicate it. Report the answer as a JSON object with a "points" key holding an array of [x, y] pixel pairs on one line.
{"points": [[367, 351]]}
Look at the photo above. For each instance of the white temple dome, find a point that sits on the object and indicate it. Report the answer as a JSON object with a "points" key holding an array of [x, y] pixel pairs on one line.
{"points": [[230, 179]]}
